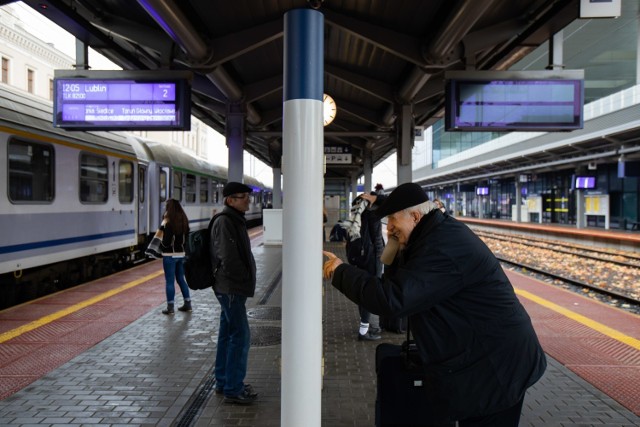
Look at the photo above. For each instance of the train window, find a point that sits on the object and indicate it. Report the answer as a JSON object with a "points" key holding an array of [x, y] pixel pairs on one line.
{"points": [[190, 191], [94, 178], [31, 174], [125, 182], [204, 189], [177, 186], [164, 179]]}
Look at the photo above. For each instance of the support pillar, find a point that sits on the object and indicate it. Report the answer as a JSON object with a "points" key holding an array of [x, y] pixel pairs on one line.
{"points": [[368, 170], [405, 144], [518, 200], [354, 187], [277, 188], [235, 134], [303, 154]]}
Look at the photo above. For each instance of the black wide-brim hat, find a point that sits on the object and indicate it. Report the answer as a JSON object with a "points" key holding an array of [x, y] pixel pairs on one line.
{"points": [[404, 196], [233, 187]]}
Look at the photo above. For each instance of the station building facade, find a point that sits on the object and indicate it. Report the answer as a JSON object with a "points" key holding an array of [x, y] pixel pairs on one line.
{"points": [[537, 171]]}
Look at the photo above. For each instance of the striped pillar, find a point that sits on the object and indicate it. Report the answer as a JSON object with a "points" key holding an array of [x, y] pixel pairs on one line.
{"points": [[302, 167]]}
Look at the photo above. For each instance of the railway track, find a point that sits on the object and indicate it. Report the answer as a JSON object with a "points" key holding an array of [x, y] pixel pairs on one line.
{"points": [[609, 275], [623, 258]]}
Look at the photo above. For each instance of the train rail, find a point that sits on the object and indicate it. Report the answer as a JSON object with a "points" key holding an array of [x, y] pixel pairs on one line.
{"points": [[624, 258], [614, 279]]}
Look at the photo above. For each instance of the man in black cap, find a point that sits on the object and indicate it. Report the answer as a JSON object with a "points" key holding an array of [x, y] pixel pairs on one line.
{"points": [[477, 345], [235, 281]]}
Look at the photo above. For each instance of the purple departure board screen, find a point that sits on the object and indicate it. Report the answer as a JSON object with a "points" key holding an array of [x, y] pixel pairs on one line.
{"points": [[491, 101], [585, 182], [482, 191], [134, 101]]}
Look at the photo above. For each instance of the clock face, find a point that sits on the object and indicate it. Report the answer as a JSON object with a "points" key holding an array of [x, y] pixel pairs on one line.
{"points": [[330, 109]]}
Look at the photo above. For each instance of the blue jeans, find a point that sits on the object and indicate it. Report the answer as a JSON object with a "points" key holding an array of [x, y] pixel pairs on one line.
{"points": [[233, 344], [174, 270]]}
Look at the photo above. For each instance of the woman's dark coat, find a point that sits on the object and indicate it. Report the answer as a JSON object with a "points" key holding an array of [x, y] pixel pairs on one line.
{"points": [[476, 341], [172, 243]]}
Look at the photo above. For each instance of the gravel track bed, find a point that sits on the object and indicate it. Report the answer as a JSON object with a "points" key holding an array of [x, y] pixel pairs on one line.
{"points": [[599, 273]]}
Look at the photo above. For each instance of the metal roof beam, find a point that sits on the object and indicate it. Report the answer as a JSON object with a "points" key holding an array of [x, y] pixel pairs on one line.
{"points": [[362, 113], [370, 86], [237, 44], [257, 90], [401, 45]]}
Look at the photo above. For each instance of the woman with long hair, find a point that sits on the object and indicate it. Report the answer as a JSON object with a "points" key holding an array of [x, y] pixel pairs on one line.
{"points": [[175, 225]]}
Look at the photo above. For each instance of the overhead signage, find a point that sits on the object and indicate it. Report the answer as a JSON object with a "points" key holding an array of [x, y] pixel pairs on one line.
{"points": [[600, 8], [122, 100], [338, 154], [514, 100]]}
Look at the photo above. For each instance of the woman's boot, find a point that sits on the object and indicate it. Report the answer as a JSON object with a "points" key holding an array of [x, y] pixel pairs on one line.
{"points": [[186, 306], [168, 310]]}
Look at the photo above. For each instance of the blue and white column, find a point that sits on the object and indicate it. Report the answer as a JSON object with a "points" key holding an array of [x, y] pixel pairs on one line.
{"points": [[302, 167]]}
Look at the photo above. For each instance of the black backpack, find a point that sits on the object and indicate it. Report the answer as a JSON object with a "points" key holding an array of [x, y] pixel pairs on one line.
{"points": [[198, 269], [359, 250]]}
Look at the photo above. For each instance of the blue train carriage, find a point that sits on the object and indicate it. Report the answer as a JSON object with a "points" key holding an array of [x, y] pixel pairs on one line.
{"points": [[65, 195]]}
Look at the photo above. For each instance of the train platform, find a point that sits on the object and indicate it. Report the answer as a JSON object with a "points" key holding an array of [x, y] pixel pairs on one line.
{"points": [[103, 354], [614, 239]]}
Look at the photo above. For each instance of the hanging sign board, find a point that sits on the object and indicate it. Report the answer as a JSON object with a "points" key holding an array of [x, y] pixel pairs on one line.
{"points": [[122, 100], [338, 154], [543, 101]]}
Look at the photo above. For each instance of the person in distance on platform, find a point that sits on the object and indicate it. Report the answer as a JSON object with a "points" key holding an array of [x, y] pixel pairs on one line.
{"points": [[175, 227], [379, 189], [477, 345], [440, 205], [364, 224], [235, 281]]}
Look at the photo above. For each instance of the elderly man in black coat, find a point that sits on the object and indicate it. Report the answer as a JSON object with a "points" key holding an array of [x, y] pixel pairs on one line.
{"points": [[476, 342]]}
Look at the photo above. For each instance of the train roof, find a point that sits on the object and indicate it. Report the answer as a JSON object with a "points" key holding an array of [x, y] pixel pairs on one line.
{"points": [[21, 111], [174, 156]]}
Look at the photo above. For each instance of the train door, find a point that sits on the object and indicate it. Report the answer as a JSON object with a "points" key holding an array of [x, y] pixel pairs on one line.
{"points": [[143, 197], [163, 185]]}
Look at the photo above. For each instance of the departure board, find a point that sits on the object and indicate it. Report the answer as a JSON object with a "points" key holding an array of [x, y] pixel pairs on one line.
{"points": [[514, 101], [126, 100]]}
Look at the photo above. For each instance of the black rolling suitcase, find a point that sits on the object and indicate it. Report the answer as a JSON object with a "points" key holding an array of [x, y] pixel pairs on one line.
{"points": [[401, 398]]}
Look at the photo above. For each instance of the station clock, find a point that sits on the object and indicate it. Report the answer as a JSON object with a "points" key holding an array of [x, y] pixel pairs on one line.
{"points": [[330, 109]]}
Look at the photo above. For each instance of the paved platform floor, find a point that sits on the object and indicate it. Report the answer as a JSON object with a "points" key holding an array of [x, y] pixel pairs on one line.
{"points": [[157, 371]]}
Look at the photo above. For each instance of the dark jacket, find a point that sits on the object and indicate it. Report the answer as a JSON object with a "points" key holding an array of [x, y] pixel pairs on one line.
{"points": [[476, 341], [373, 228], [172, 244], [231, 253]]}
